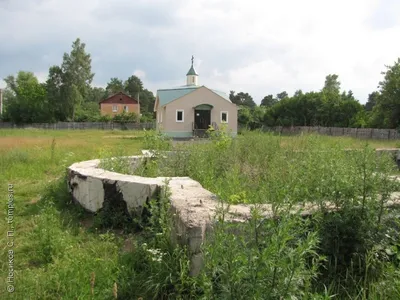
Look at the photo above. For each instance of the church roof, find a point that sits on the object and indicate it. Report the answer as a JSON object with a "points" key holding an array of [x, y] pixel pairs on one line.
{"points": [[192, 71], [166, 96]]}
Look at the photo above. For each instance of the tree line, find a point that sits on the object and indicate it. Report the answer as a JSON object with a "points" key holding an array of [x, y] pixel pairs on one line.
{"points": [[329, 107], [67, 94]]}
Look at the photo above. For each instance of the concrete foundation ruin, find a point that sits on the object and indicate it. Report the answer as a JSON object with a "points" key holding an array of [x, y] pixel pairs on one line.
{"points": [[193, 207]]}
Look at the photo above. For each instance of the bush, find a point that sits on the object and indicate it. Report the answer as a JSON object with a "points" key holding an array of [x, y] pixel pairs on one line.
{"points": [[125, 117], [157, 268], [261, 257], [147, 117], [104, 118], [156, 140]]}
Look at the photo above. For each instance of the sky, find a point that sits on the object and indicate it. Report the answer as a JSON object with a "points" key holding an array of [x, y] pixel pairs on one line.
{"points": [[259, 47]]}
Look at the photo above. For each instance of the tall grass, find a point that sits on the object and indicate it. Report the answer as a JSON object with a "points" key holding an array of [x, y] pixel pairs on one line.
{"points": [[56, 245], [339, 251], [62, 252]]}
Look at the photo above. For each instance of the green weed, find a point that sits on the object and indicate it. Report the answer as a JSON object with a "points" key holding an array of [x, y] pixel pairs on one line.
{"points": [[351, 253]]}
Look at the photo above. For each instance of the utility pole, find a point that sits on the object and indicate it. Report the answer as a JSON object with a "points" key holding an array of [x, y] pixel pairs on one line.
{"points": [[139, 114], [1, 102]]}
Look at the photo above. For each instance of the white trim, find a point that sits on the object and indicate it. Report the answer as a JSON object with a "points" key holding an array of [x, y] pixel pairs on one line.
{"points": [[183, 115], [115, 107], [159, 117], [126, 108], [227, 116]]}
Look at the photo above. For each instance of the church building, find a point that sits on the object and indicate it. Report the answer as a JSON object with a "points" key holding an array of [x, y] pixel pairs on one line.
{"points": [[189, 110]]}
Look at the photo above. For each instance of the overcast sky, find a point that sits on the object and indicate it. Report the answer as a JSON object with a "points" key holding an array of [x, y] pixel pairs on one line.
{"points": [[256, 46]]}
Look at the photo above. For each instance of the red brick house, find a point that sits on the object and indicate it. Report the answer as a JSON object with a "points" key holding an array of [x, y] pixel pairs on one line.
{"points": [[118, 103]]}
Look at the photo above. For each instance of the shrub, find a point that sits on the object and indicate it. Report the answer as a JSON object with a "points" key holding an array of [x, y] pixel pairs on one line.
{"points": [[156, 140], [157, 268], [261, 257], [125, 117]]}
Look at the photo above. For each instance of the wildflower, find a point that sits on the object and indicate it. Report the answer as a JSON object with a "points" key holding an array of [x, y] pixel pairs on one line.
{"points": [[156, 254]]}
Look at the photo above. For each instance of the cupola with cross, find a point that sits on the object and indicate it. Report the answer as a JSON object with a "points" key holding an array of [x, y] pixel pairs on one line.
{"points": [[192, 76]]}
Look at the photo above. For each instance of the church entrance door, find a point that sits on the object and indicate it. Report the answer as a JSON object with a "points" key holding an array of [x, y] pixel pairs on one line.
{"points": [[202, 120]]}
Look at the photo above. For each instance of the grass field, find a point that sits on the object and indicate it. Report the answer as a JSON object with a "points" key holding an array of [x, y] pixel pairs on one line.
{"points": [[54, 252], [58, 252]]}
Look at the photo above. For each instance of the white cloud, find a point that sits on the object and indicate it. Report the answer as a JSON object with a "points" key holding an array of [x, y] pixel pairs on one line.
{"points": [[316, 37], [140, 73], [260, 47], [41, 76]]}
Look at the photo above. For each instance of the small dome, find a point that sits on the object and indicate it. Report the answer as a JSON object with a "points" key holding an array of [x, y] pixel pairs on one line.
{"points": [[192, 71]]}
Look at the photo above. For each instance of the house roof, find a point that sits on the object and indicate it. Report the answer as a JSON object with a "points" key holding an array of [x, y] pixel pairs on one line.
{"points": [[120, 98], [166, 96]]}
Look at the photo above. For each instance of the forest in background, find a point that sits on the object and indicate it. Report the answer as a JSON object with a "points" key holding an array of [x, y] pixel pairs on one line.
{"points": [[329, 107], [68, 95]]}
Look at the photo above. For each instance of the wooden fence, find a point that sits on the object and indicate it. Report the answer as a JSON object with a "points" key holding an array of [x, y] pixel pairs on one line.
{"points": [[80, 125], [365, 133], [362, 133]]}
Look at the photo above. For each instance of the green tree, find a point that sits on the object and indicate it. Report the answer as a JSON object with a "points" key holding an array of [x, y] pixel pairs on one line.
{"points": [[258, 115], [27, 100], [54, 88], [8, 97], [286, 113], [331, 101], [317, 108], [74, 97], [232, 96], [350, 113], [332, 84], [133, 85], [77, 76], [96, 94], [298, 93], [388, 103], [114, 86], [147, 100], [372, 101], [268, 101], [245, 117], [282, 96], [243, 99]]}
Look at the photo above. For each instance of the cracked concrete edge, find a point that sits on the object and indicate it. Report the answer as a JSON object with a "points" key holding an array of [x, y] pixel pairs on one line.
{"points": [[195, 204], [85, 182], [193, 208]]}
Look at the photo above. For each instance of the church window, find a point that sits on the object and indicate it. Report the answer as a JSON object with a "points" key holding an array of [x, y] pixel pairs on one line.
{"points": [[179, 115]]}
